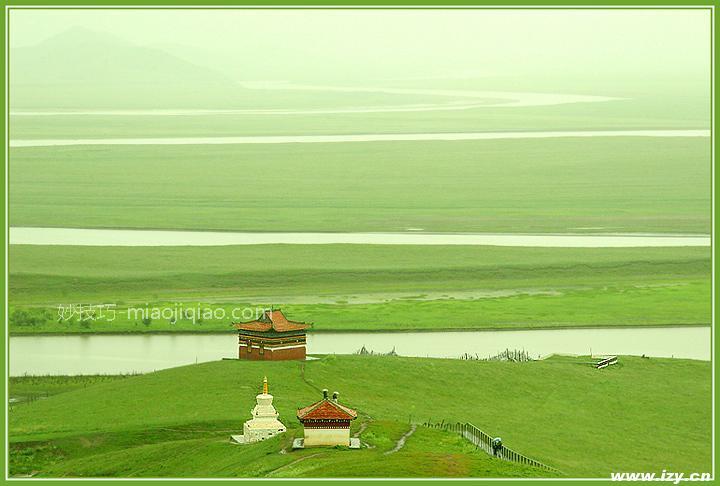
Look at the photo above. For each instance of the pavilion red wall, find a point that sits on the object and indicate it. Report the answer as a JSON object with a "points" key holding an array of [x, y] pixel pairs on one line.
{"points": [[270, 355]]}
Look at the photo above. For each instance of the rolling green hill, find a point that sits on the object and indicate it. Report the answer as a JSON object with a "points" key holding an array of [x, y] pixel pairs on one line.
{"points": [[583, 421]]}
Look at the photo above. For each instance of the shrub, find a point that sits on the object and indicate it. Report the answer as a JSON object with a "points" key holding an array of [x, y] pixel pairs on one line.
{"points": [[24, 318]]}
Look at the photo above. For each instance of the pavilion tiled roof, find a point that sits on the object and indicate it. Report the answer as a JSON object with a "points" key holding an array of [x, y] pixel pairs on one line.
{"points": [[326, 409], [272, 319]]}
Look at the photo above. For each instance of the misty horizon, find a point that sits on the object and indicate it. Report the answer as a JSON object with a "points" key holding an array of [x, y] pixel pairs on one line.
{"points": [[398, 45]]}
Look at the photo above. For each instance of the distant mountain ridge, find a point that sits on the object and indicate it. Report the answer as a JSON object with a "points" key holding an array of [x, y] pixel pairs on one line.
{"points": [[83, 68]]}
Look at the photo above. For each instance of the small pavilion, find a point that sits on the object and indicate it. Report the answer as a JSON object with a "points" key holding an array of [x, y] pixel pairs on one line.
{"points": [[327, 423]]}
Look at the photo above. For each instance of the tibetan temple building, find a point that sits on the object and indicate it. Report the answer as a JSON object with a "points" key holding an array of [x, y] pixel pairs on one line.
{"points": [[327, 423], [272, 337]]}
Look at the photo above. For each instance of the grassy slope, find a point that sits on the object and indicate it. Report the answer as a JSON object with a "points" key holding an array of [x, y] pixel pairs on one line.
{"points": [[204, 451], [343, 287], [584, 421], [614, 184]]}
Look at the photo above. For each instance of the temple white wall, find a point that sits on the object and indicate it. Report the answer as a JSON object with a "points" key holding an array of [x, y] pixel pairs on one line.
{"points": [[327, 437]]}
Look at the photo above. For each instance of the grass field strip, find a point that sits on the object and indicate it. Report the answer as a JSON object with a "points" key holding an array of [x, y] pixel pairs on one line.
{"points": [[383, 137]]}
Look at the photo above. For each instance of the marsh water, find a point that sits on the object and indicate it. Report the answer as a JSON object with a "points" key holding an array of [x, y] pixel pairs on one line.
{"points": [[113, 354], [118, 237]]}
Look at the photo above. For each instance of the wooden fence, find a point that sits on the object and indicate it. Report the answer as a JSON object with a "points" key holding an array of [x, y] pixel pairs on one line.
{"points": [[605, 362], [483, 441]]}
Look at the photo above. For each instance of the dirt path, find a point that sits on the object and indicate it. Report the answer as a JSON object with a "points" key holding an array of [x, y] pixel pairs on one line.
{"points": [[401, 442], [362, 428], [296, 461], [305, 380]]}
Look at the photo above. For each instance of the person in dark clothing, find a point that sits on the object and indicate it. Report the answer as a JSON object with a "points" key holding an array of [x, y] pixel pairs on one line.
{"points": [[497, 446]]}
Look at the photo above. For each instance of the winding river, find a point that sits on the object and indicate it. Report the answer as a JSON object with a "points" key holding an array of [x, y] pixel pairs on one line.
{"points": [[380, 137], [490, 98], [410, 108], [465, 100], [119, 237], [113, 354]]}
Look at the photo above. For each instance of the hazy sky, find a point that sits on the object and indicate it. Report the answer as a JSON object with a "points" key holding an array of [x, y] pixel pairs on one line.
{"points": [[430, 43]]}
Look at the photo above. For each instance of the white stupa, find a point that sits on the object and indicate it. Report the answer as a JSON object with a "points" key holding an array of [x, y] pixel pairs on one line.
{"points": [[264, 422]]}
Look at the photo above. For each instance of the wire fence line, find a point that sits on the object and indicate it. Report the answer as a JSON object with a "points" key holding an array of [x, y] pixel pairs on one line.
{"points": [[512, 355], [483, 441]]}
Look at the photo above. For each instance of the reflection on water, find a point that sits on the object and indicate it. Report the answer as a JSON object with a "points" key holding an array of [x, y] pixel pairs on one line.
{"points": [[112, 354]]}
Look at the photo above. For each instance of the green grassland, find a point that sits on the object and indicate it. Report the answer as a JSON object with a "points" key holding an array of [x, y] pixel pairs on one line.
{"points": [[364, 287], [561, 411], [641, 415], [618, 184]]}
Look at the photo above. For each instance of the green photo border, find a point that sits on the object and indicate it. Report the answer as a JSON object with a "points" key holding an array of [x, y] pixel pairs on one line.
{"points": [[292, 4]]}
